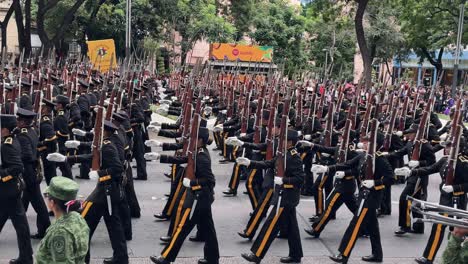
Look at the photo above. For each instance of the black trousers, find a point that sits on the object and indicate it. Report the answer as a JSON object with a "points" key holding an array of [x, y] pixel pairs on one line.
{"points": [[235, 177], [94, 209], [50, 168], [270, 230], [404, 207], [366, 217], [334, 202], [176, 189], [253, 185], [202, 217], [139, 152], [438, 230], [32, 194], [259, 213], [308, 188], [130, 193], [12, 208], [64, 166], [323, 185], [386, 204]]}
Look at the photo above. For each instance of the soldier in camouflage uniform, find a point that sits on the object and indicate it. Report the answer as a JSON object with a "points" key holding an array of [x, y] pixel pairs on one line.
{"points": [[67, 239]]}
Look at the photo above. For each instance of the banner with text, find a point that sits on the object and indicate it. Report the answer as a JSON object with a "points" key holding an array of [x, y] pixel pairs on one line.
{"points": [[246, 53], [101, 53]]}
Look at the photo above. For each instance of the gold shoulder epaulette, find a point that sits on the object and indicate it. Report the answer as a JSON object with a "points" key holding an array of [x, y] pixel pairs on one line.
{"points": [[24, 130], [293, 151], [61, 113], [463, 158], [106, 142], [200, 150], [9, 140], [378, 153], [45, 118]]}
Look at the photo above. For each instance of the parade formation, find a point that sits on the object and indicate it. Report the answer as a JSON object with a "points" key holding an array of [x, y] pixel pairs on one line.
{"points": [[284, 133]]}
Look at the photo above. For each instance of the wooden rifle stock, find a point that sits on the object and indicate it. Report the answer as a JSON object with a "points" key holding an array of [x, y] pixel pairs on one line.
{"points": [[98, 133], [370, 156], [282, 140], [192, 148]]}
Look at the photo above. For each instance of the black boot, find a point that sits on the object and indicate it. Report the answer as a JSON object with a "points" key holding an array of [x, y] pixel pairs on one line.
{"points": [[402, 230], [162, 217], [423, 260], [196, 239], [250, 257], [372, 258], [244, 235], [339, 258], [230, 192], [290, 260], [159, 260], [312, 232], [165, 239]]}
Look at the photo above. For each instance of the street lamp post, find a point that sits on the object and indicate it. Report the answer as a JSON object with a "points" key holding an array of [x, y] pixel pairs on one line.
{"points": [[325, 70], [457, 51]]}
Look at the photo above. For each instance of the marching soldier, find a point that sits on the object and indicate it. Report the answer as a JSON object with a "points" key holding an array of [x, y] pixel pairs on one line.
{"points": [[47, 139], [61, 126], [28, 139], [11, 188], [105, 200], [200, 190]]}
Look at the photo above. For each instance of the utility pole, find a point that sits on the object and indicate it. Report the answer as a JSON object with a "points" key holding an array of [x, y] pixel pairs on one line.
{"points": [[128, 29], [457, 51]]}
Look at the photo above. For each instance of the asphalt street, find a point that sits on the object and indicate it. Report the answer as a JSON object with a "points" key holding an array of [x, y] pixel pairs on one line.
{"points": [[230, 216]]}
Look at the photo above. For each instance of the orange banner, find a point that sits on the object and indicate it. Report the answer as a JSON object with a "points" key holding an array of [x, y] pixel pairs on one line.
{"points": [[246, 53]]}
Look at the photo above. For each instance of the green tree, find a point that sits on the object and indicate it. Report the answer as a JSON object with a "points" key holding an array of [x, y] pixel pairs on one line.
{"points": [[280, 25], [429, 27]]}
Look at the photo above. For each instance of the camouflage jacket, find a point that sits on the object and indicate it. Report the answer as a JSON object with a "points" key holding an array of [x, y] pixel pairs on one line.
{"points": [[456, 251], [66, 241]]}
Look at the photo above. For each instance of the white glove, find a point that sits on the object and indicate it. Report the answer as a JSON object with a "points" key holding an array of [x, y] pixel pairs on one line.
{"points": [[152, 156], [223, 112], [278, 180], [368, 184], [339, 174], [164, 102], [443, 137], [72, 144], [243, 161], [218, 128], [399, 133], [233, 141], [447, 188], [305, 143], [208, 110], [413, 164], [155, 123], [319, 169], [79, 132], [404, 171], [186, 182], [326, 155], [93, 175], [206, 98], [162, 111], [243, 134], [154, 129], [153, 143], [56, 157], [174, 98], [445, 143], [360, 145], [307, 137]]}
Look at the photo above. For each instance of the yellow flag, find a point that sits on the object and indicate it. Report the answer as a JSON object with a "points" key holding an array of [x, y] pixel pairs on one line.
{"points": [[100, 53]]}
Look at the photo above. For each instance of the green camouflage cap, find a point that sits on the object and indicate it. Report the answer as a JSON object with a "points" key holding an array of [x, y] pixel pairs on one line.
{"points": [[62, 188]]}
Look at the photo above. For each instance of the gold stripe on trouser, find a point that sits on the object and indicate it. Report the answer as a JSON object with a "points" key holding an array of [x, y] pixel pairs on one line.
{"points": [[179, 211], [173, 171], [236, 174], [234, 152], [265, 202], [328, 211], [268, 232], [320, 194], [249, 187], [177, 233], [303, 155], [437, 236], [353, 238], [224, 144], [408, 216], [86, 209], [174, 198]]}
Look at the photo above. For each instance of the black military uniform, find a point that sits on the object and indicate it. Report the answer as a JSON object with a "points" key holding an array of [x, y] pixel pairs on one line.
{"points": [[201, 190], [285, 211], [28, 139], [47, 140], [369, 201], [137, 120], [61, 127], [96, 205], [84, 105], [10, 191], [455, 199]]}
